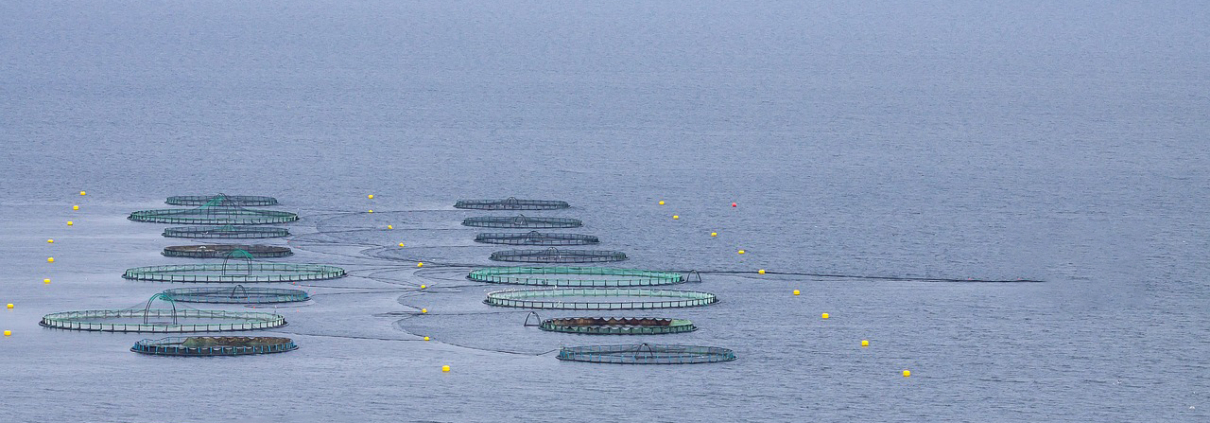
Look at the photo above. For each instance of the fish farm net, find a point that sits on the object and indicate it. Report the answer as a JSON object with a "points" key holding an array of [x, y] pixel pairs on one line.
{"points": [[213, 215], [143, 318], [617, 325], [646, 354], [577, 277], [225, 232], [522, 222], [577, 299], [225, 250], [223, 200], [213, 346], [536, 238], [511, 204], [237, 295], [234, 272], [555, 255]]}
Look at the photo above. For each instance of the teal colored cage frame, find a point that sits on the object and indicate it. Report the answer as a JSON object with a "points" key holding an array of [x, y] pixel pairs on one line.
{"points": [[559, 256], [536, 298], [238, 294], [225, 250], [646, 354], [213, 214], [522, 222], [223, 200], [536, 238], [226, 232], [511, 204], [617, 325], [170, 320], [234, 272], [577, 277], [214, 346]]}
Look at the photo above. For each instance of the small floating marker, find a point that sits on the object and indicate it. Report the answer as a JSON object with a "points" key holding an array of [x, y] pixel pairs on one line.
{"points": [[8, 333], [371, 211], [69, 223], [761, 271], [390, 226], [734, 205], [825, 315], [371, 196], [400, 244], [75, 207], [424, 310], [741, 251], [10, 306], [50, 259], [675, 217], [445, 369], [865, 343], [907, 373], [46, 281], [421, 264], [423, 286], [83, 193], [426, 338], [50, 241], [661, 202], [713, 234], [796, 292]]}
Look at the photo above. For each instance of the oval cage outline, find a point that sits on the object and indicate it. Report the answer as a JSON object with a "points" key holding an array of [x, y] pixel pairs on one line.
{"points": [[555, 255], [520, 275], [522, 222], [618, 325], [230, 272], [224, 200], [511, 203], [226, 232], [524, 298], [178, 346], [71, 320], [208, 215], [536, 238], [225, 250], [646, 354], [237, 295]]}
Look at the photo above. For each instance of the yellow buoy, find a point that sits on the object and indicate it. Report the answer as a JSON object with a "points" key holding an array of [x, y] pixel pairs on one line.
{"points": [[371, 211], [424, 310], [69, 223], [10, 306], [714, 234], [50, 241], [674, 217], [865, 343], [400, 244], [46, 281], [825, 315], [761, 271], [8, 333], [423, 286], [50, 259], [445, 369], [907, 373], [371, 196], [796, 292], [390, 226], [661, 202], [75, 207], [426, 338], [421, 264], [741, 251], [83, 193]]}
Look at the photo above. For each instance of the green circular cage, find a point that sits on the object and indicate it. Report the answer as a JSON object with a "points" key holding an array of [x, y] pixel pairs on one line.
{"points": [[511, 204], [617, 325], [214, 346], [162, 320], [579, 277], [213, 215], [646, 354], [577, 299], [224, 250], [555, 255], [522, 222], [536, 238], [237, 295], [235, 272], [226, 232], [222, 199]]}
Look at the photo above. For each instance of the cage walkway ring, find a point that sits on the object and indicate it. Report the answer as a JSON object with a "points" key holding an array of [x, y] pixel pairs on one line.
{"points": [[234, 272], [223, 250], [555, 255], [511, 203], [214, 346], [536, 238], [533, 298], [646, 354], [225, 200], [577, 277], [237, 295], [617, 325], [522, 222], [173, 320], [226, 232]]}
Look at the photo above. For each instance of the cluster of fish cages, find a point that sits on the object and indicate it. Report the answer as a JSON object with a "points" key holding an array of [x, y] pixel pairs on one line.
{"points": [[226, 250], [214, 346], [538, 299], [522, 222], [221, 200], [618, 325], [536, 238], [511, 204], [234, 272], [226, 232], [555, 255], [646, 354], [578, 277], [237, 295]]}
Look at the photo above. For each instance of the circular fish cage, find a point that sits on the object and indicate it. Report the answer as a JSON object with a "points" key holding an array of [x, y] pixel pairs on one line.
{"points": [[234, 272], [646, 354], [237, 295], [511, 204], [555, 255], [522, 222], [535, 298], [225, 250], [223, 200], [578, 277], [225, 232], [617, 325], [210, 215], [143, 318], [214, 346], [536, 238]]}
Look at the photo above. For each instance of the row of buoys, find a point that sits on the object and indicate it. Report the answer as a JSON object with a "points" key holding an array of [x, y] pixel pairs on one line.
{"points": [[46, 281]]}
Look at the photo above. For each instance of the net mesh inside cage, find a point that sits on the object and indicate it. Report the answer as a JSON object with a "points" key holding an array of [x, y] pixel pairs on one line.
{"points": [[237, 295], [223, 200], [210, 346], [224, 250], [577, 298], [646, 354], [144, 318], [226, 232], [617, 325], [595, 277], [214, 213], [511, 204], [536, 238], [234, 272], [555, 255], [522, 222]]}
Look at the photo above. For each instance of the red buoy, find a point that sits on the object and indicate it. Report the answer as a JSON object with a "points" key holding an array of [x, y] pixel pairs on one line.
{"points": [[734, 205]]}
